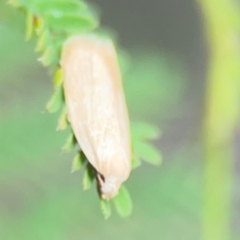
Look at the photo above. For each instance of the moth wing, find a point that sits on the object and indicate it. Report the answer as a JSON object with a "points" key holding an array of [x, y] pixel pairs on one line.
{"points": [[96, 106]]}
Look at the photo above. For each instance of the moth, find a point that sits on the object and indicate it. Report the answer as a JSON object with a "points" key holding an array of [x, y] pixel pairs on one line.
{"points": [[97, 109]]}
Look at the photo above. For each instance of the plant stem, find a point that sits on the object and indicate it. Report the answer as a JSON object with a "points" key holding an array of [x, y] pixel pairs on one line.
{"points": [[222, 112]]}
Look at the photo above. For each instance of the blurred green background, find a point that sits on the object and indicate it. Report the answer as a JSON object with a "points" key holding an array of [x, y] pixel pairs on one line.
{"points": [[165, 84]]}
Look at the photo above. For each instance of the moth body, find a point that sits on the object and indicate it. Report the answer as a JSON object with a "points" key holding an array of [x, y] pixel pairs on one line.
{"points": [[97, 109]]}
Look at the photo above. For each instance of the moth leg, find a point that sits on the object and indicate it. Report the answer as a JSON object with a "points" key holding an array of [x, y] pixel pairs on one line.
{"points": [[100, 183]]}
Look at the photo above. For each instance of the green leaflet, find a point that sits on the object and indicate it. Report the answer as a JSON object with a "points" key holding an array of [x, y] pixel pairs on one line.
{"points": [[42, 41], [88, 176], [29, 25], [39, 26], [105, 208], [59, 8], [71, 24], [78, 161], [70, 143], [135, 162], [141, 132], [63, 121], [58, 78], [123, 202], [49, 56], [144, 131], [147, 152], [56, 100]]}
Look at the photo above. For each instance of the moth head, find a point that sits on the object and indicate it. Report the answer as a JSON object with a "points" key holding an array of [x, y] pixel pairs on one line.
{"points": [[112, 175], [108, 187]]}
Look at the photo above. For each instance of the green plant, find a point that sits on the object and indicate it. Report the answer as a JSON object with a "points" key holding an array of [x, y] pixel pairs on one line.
{"points": [[222, 114], [53, 22]]}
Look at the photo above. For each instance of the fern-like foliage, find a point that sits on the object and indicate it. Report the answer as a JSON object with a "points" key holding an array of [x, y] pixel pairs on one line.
{"points": [[52, 22]]}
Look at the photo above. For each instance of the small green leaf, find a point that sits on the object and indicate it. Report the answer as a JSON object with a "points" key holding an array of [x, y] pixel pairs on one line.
{"points": [[42, 41], [123, 202], [105, 208], [57, 44], [70, 143], [29, 25], [147, 152], [135, 162], [71, 24], [88, 177], [59, 7], [63, 121], [144, 131], [78, 161], [56, 100], [39, 29], [58, 78], [49, 56]]}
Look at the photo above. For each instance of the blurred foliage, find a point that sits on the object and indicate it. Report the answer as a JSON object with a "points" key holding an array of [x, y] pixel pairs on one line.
{"points": [[38, 197], [40, 200], [151, 67]]}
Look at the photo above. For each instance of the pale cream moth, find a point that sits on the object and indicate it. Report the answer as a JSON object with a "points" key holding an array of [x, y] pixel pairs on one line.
{"points": [[96, 108]]}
